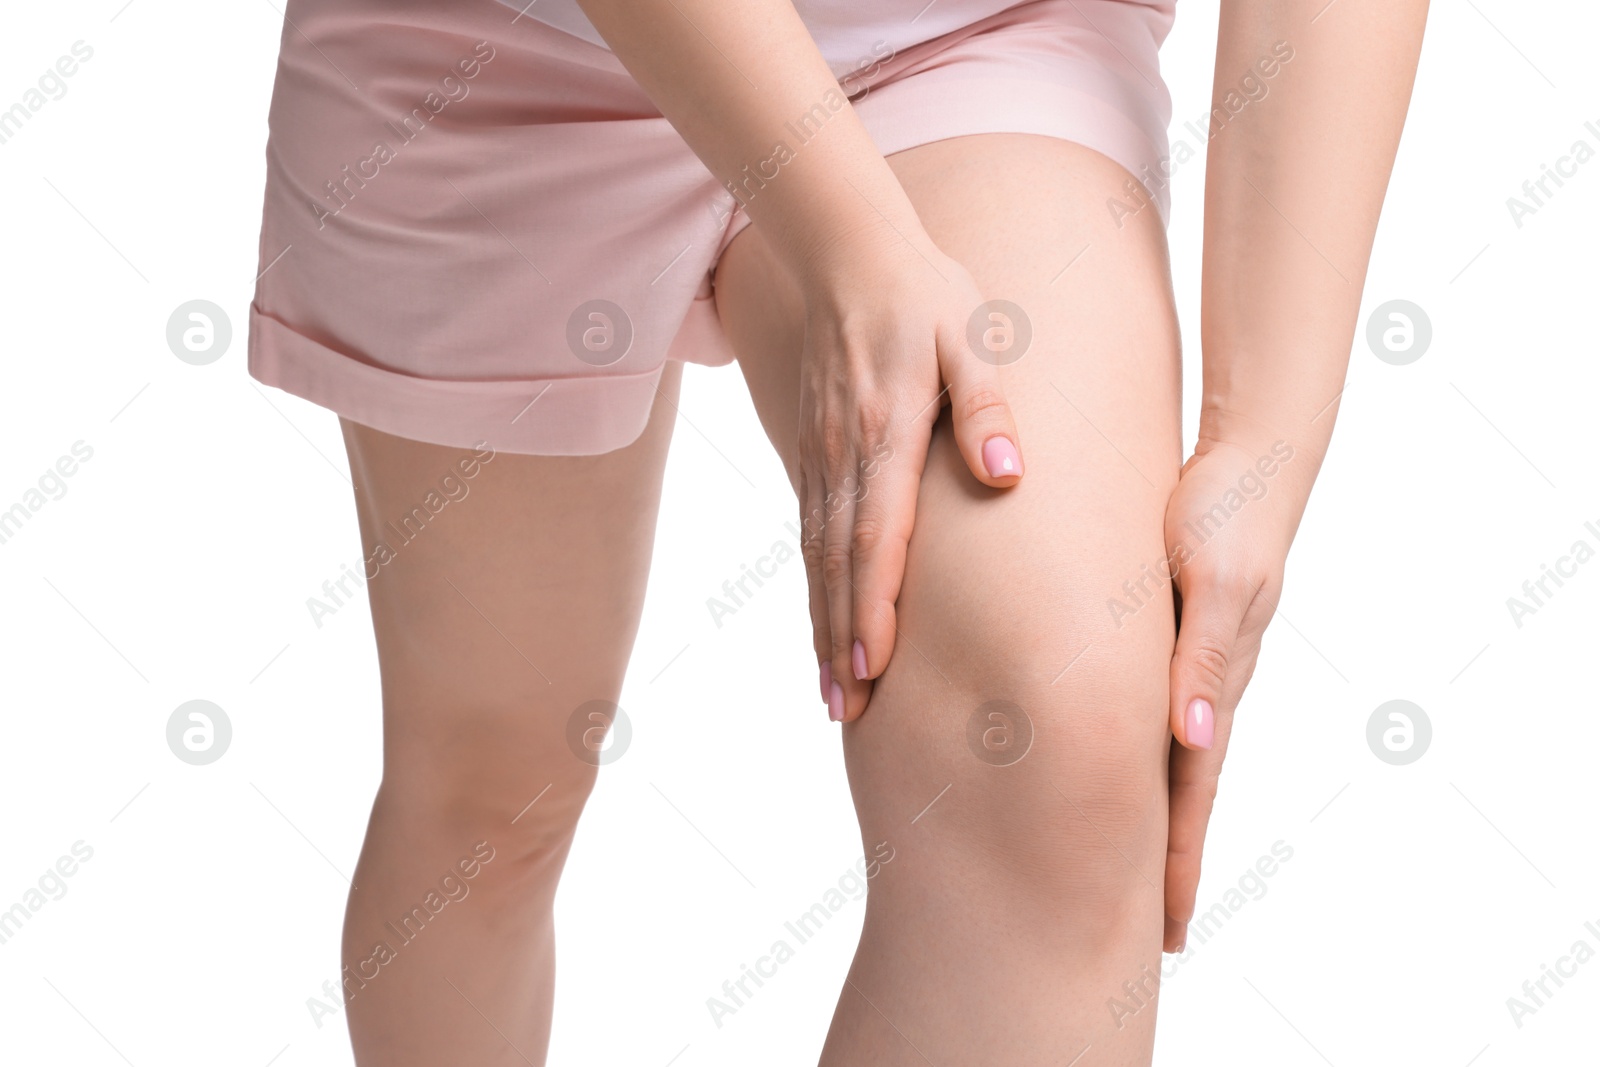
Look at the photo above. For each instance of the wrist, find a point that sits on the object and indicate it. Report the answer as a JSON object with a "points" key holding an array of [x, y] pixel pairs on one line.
{"points": [[845, 250], [1259, 425], [836, 213], [1259, 447]]}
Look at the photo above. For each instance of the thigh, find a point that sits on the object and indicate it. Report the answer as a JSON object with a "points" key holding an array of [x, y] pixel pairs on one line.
{"points": [[502, 612], [1008, 594]]}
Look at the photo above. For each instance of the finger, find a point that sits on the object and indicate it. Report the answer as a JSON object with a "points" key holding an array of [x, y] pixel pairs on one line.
{"points": [[1175, 935], [1218, 641], [986, 432], [1208, 627], [1192, 790], [884, 517], [811, 530], [847, 694]]}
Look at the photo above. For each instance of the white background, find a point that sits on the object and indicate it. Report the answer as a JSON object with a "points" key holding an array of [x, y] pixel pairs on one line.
{"points": [[177, 566]]}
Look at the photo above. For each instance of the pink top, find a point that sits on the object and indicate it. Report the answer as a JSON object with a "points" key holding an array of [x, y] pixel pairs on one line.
{"points": [[851, 34]]}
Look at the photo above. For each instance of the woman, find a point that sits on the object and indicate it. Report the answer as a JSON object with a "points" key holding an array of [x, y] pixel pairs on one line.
{"points": [[935, 242]]}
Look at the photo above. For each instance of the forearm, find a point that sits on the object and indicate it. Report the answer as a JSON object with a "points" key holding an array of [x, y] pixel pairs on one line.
{"points": [[746, 88], [1294, 186]]}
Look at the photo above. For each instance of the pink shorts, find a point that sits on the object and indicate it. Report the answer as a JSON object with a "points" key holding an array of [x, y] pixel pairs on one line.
{"points": [[478, 228]]}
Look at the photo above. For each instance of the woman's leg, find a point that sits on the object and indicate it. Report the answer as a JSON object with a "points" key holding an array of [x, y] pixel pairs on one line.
{"points": [[512, 608], [1020, 918]]}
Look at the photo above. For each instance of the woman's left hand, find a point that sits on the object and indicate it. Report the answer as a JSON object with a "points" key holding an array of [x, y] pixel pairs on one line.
{"points": [[1228, 528]]}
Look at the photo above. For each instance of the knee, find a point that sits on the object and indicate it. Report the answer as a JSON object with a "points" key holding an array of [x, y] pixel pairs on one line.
{"points": [[1051, 737], [1064, 785], [515, 777]]}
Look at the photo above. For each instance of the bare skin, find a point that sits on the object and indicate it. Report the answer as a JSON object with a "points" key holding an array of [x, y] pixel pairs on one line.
{"points": [[1022, 900], [1027, 896], [885, 338], [493, 627], [1042, 879], [1293, 192]]}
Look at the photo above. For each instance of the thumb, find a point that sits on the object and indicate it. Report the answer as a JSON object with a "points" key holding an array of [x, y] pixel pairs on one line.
{"points": [[985, 431], [1208, 628]]}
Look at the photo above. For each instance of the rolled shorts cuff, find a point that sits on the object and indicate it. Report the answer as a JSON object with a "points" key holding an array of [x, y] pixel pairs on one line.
{"points": [[573, 416]]}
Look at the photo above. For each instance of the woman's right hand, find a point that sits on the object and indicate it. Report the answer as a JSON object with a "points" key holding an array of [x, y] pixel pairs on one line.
{"points": [[886, 346], [887, 312]]}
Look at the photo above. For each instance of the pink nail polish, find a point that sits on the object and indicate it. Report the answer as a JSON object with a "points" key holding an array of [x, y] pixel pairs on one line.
{"points": [[836, 702], [858, 660], [1000, 457], [1201, 724], [827, 679]]}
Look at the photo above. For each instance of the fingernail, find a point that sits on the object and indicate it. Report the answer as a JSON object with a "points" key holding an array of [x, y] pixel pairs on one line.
{"points": [[836, 702], [1000, 457], [1202, 724], [858, 660], [827, 679]]}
